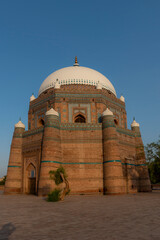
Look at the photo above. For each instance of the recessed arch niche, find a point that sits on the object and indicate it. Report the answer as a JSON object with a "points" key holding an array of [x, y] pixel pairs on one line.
{"points": [[31, 179], [79, 119]]}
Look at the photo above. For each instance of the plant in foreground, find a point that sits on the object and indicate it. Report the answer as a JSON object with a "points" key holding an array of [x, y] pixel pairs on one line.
{"points": [[54, 196], [59, 176]]}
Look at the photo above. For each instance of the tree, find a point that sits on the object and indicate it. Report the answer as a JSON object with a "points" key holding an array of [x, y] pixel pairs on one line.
{"points": [[59, 176], [153, 160]]}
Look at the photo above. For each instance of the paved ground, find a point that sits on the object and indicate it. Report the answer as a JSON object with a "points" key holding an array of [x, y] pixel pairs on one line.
{"points": [[81, 217]]}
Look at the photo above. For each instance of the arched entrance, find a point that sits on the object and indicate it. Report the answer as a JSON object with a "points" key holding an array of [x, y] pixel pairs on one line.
{"points": [[80, 119], [31, 179]]}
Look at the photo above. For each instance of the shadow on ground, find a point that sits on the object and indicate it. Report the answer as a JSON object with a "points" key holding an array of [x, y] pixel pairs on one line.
{"points": [[6, 231]]}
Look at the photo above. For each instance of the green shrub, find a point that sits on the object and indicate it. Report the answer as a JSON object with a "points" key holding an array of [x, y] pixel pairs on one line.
{"points": [[59, 176], [56, 175], [54, 196]]}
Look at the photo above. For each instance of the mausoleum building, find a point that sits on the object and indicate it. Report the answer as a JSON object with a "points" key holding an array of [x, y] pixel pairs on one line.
{"points": [[77, 121]]}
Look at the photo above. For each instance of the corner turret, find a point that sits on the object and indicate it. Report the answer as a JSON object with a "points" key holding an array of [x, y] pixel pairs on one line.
{"points": [[141, 166], [51, 151], [14, 173], [112, 166]]}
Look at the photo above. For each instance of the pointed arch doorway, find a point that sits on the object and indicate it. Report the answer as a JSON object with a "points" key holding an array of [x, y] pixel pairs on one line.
{"points": [[31, 179]]}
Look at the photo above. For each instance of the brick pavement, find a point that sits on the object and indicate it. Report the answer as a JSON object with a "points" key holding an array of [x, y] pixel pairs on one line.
{"points": [[133, 216]]}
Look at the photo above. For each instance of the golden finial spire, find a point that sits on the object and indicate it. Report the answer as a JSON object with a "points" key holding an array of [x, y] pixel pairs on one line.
{"points": [[76, 62]]}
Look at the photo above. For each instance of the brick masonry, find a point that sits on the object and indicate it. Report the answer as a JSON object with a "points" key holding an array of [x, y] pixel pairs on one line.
{"points": [[100, 155]]}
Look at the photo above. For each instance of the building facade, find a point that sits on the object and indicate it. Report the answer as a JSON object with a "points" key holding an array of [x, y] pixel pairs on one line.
{"points": [[78, 122]]}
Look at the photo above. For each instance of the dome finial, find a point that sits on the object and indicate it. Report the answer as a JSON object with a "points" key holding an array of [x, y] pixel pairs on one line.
{"points": [[76, 62]]}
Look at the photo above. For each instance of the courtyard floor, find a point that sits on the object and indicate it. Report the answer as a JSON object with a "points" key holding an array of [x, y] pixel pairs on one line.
{"points": [[132, 216]]}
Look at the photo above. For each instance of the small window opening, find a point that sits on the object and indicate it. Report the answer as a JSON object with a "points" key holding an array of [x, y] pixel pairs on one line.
{"points": [[32, 173]]}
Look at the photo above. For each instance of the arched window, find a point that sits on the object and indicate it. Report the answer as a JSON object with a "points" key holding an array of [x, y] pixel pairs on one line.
{"points": [[115, 121], [79, 119], [41, 122], [99, 118], [31, 171]]}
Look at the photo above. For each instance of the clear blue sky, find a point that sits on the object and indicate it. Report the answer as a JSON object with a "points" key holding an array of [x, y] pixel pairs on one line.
{"points": [[119, 38]]}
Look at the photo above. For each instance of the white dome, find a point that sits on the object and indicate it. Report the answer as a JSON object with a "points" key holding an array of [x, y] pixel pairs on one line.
{"points": [[76, 75]]}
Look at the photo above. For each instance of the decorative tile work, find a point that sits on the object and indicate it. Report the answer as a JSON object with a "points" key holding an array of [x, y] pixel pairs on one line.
{"points": [[88, 106], [81, 105], [65, 126], [81, 126], [14, 166], [85, 163], [125, 131], [136, 165], [107, 124], [70, 106], [41, 116], [89, 96], [112, 161], [52, 126], [39, 103], [79, 111], [81, 141], [33, 132], [71, 96], [127, 144], [137, 134], [52, 121], [18, 135]]}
